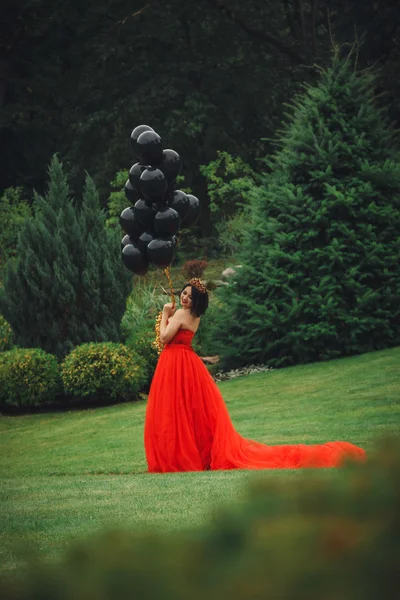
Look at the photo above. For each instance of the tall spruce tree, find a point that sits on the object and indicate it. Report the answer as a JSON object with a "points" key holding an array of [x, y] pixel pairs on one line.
{"points": [[68, 285], [320, 274]]}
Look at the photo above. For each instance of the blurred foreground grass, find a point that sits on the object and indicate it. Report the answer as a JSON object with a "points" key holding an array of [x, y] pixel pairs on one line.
{"points": [[66, 475], [319, 538]]}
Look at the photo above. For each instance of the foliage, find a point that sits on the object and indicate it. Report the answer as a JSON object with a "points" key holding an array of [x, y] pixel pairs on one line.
{"points": [[211, 285], [142, 341], [211, 74], [229, 180], [68, 284], [103, 371], [231, 232], [314, 538], [141, 309], [117, 200], [204, 340], [192, 243], [320, 275], [138, 324], [194, 268], [6, 335], [28, 377], [14, 209]]}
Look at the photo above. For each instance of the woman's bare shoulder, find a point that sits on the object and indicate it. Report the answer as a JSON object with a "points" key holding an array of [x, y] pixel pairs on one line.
{"points": [[190, 322]]}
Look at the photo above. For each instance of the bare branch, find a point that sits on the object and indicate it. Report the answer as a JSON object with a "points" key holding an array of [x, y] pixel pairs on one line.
{"points": [[135, 14]]}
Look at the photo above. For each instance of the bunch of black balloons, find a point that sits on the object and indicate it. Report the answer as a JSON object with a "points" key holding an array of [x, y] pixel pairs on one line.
{"points": [[158, 209]]}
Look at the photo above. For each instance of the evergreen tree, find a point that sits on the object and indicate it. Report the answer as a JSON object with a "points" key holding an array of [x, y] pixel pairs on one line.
{"points": [[320, 274], [68, 285]]}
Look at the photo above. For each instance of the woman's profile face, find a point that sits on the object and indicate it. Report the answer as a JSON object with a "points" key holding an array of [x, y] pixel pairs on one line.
{"points": [[186, 297]]}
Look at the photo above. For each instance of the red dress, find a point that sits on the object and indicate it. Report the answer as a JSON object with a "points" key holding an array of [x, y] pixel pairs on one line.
{"points": [[188, 427]]}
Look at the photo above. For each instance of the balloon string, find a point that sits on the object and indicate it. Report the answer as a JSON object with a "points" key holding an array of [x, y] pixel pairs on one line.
{"points": [[167, 272], [157, 343]]}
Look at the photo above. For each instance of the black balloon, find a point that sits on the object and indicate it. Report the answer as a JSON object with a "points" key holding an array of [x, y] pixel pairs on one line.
{"points": [[153, 183], [180, 203], [126, 240], [193, 211], [171, 187], [129, 223], [130, 192], [134, 260], [144, 213], [134, 175], [167, 221], [160, 252], [149, 147], [135, 134], [170, 164], [144, 241]]}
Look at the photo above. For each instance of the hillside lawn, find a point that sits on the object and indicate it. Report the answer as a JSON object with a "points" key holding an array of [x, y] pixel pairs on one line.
{"points": [[65, 475]]}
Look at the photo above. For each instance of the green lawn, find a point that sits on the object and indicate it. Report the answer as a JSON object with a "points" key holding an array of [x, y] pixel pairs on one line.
{"points": [[65, 475]]}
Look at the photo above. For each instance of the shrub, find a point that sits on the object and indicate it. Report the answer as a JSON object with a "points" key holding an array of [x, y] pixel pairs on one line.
{"points": [[141, 309], [203, 341], [142, 343], [103, 371], [194, 268], [6, 335], [211, 285], [28, 377], [138, 323], [229, 180]]}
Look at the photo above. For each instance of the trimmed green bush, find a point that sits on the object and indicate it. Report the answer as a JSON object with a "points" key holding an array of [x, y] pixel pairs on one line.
{"points": [[28, 377], [6, 335], [104, 371]]}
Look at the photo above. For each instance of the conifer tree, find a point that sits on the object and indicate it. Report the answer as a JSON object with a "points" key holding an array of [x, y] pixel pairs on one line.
{"points": [[68, 285], [320, 274]]}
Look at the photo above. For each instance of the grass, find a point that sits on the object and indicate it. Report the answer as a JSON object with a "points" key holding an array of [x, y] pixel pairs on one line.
{"points": [[65, 475]]}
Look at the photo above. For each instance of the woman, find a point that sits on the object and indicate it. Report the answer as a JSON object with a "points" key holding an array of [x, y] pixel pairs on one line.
{"points": [[188, 427]]}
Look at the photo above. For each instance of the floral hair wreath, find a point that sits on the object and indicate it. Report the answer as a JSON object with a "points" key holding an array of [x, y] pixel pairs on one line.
{"points": [[199, 285]]}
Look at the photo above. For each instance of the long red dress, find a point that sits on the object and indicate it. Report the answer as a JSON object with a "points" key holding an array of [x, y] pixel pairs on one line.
{"points": [[188, 427]]}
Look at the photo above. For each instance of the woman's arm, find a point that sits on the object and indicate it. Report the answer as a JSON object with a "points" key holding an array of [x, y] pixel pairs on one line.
{"points": [[167, 331]]}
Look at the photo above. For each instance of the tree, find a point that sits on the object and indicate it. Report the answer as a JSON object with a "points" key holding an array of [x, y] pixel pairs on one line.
{"points": [[14, 209], [68, 285], [320, 273], [208, 75], [117, 199], [229, 180]]}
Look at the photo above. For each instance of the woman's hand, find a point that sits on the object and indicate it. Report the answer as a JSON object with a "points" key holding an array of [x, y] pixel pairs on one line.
{"points": [[169, 309]]}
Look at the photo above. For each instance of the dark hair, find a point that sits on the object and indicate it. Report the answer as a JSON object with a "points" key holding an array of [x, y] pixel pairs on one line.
{"points": [[199, 300]]}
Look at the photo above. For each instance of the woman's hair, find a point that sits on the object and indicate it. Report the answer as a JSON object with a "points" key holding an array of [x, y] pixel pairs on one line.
{"points": [[199, 300]]}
